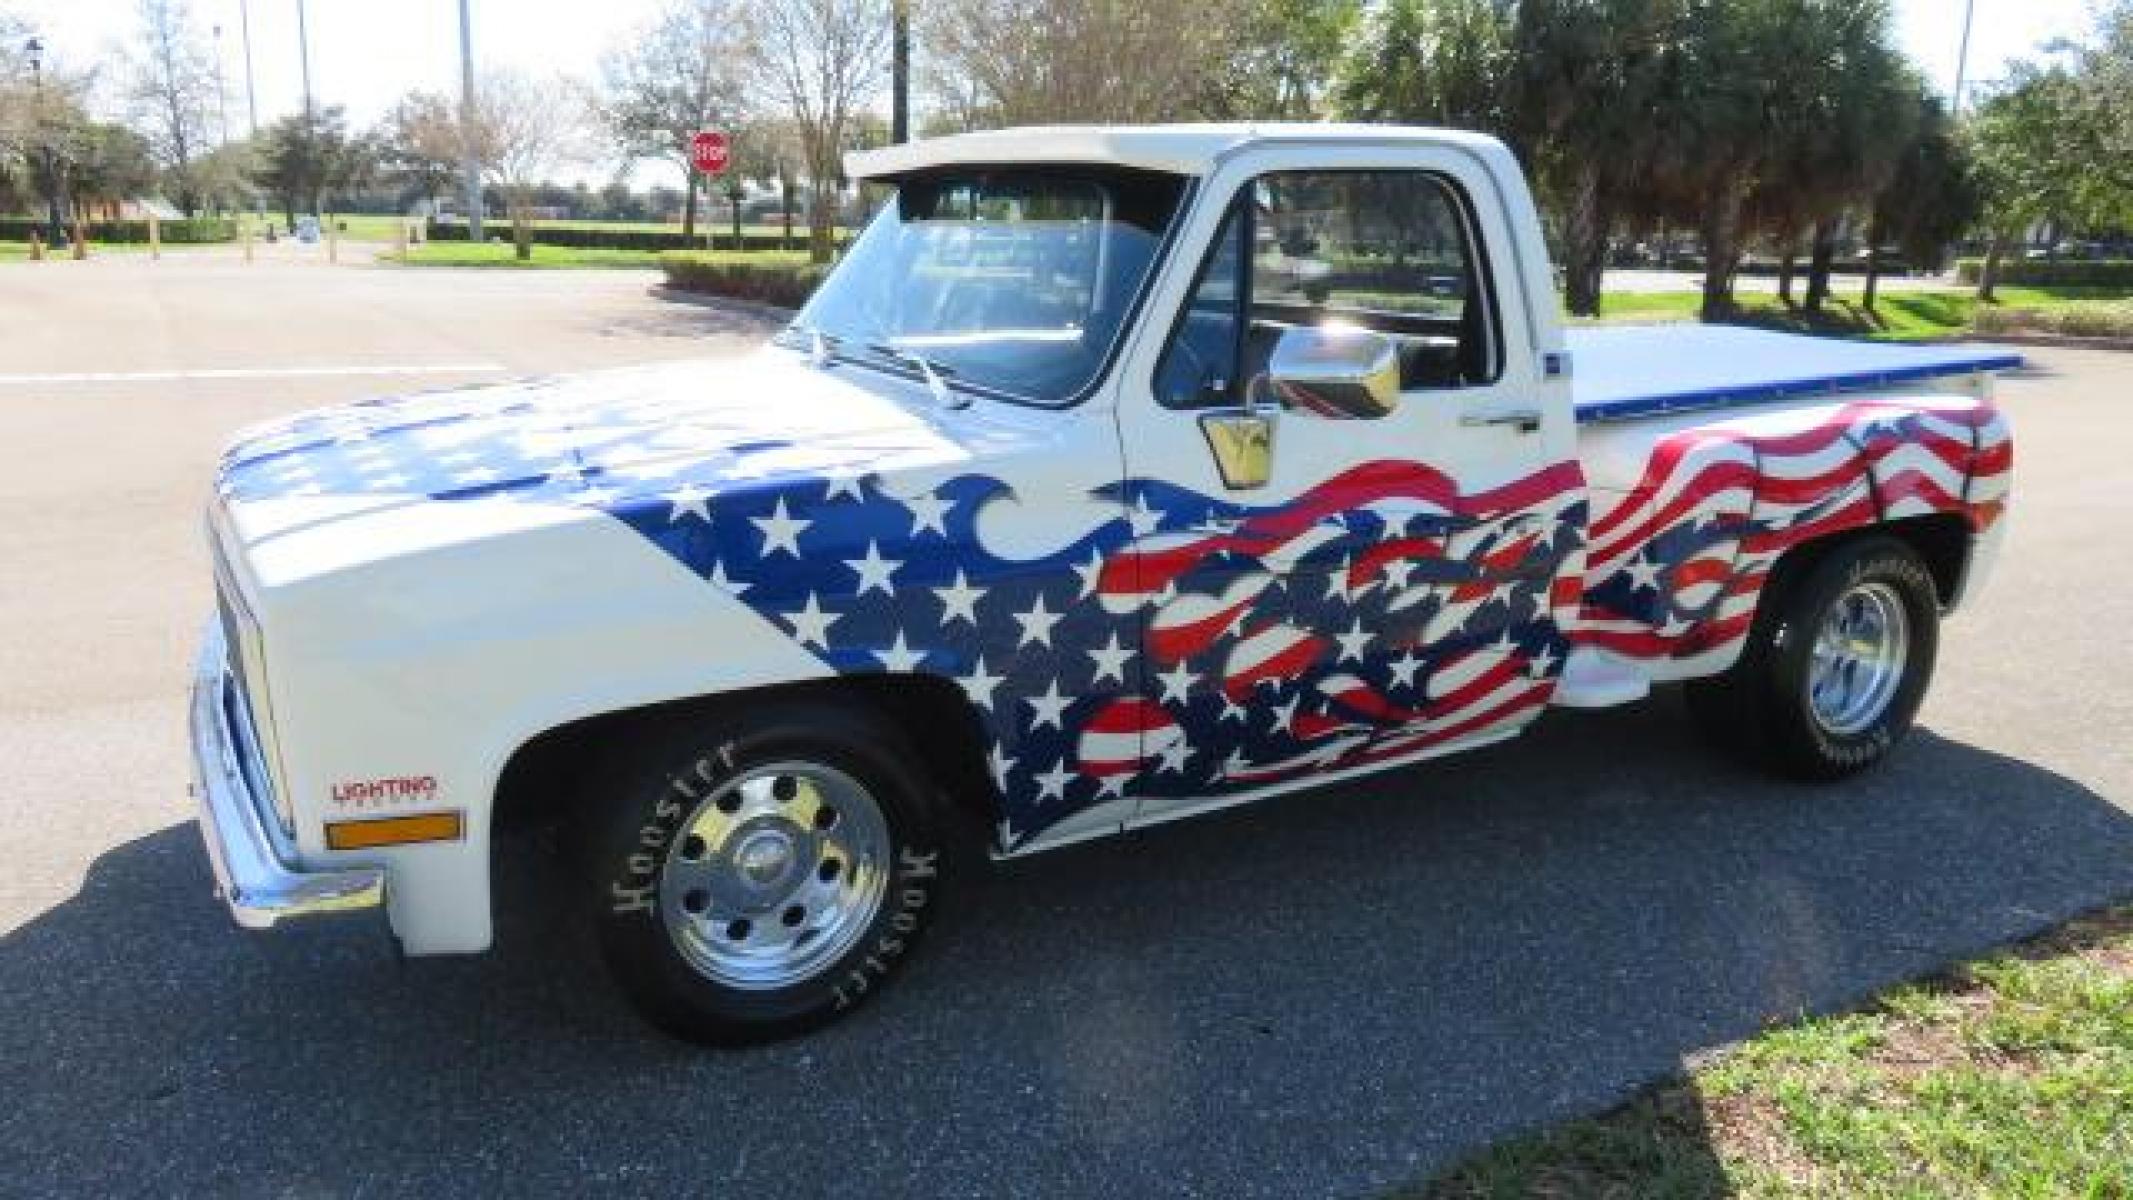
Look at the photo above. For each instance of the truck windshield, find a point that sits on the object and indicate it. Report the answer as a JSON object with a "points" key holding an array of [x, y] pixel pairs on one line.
{"points": [[1014, 282]]}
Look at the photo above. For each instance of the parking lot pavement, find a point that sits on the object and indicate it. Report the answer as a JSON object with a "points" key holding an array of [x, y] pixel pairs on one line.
{"points": [[1329, 994]]}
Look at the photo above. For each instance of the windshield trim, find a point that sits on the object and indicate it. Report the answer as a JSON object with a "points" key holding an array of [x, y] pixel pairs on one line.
{"points": [[1106, 368]]}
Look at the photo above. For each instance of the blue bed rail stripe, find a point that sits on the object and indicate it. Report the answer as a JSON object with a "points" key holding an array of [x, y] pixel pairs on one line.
{"points": [[1765, 391]]}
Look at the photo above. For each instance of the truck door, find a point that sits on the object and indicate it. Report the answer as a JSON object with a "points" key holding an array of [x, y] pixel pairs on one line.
{"points": [[1354, 499]]}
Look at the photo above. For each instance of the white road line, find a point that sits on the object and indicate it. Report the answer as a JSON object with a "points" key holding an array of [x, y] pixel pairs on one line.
{"points": [[471, 368]]}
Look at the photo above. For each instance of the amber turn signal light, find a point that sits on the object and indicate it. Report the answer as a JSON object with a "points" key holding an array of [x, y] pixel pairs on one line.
{"points": [[393, 831]]}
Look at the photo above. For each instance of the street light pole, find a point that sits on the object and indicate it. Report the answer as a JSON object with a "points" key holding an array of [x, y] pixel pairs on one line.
{"points": [[56, 232], [222, 91], [469, 162], [1962, 59], [251, 94], [303, 51]]}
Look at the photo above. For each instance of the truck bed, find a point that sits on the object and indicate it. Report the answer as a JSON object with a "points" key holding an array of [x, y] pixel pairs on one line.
{"points": [[1631, 371]]}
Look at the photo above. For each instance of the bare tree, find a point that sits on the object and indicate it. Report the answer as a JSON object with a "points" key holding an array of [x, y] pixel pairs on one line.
{"points": [[682, 73], [823, 60], [1016, 62], [172, 92], [524, 131]]}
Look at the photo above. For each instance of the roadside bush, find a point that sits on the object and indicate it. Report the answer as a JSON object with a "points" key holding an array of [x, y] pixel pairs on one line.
{"points": [[183, 232], [782, 280], [596, 238], [2072, 272], [2081, 318]]}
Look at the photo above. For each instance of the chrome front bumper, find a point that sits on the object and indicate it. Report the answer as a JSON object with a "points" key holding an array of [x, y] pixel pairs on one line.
{"points": [[251, 874]]}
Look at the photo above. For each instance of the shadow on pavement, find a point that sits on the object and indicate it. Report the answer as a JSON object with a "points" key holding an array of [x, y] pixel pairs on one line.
{"points": [[1334, 993]]}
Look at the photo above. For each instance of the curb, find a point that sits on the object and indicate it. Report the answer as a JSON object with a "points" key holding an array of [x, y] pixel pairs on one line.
{"points": [[2123, 345], [674, 295]]}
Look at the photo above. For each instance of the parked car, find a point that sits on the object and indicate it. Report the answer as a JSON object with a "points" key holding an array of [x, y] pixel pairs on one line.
{"points": [[1121, 520]]}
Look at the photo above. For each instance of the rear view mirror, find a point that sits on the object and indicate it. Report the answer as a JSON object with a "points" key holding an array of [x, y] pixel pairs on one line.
{"points": [[1340, 372]]}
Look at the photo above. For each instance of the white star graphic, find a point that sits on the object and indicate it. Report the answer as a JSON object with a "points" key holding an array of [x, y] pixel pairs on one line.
{"points": [[689, 500], [1233, 711], [1037, 623], [1540, 664], [1144, 519], [900, 658], [1051, 785], [1111, 787], [928, 511], [1503, 644], [1048, 708], [980, 684], [959, 601], [1404, 668], [720, 580], [1337, 582], [1089, 572], [1643, 572], [1000, 764], [874, 571], [1397, 571], [1285, 714], [844, 481], [1177, 683], [1355, 643], [811, 624], [1110, 660], [780, 530], [1234, 763], [1175, 756]]}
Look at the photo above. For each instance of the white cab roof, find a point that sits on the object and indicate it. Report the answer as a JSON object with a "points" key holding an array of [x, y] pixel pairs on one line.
{"points": [[1178, 149]]}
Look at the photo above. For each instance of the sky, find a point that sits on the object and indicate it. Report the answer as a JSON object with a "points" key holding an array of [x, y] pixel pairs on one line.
{"points": [[367, 53]]}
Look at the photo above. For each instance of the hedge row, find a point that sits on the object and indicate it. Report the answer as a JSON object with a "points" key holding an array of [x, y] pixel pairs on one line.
{"points": [[199, 229], [2040, 272], [785, 281], [2092, 319], [585, 237]]}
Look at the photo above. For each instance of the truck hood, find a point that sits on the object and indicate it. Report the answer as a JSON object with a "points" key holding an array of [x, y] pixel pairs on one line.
{"points": [[473, 461]]}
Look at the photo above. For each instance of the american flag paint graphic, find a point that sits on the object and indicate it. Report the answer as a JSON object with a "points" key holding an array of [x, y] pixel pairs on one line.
{"points": [[1677, 564], [1188, 645]]}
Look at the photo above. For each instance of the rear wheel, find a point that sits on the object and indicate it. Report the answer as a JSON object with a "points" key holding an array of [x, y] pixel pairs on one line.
{"points": [[756, 879], [1835, 666]]}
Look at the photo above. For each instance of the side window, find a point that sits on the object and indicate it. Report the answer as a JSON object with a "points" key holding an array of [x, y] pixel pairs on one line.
{"points": [[1199, 367], [1392, 251]]}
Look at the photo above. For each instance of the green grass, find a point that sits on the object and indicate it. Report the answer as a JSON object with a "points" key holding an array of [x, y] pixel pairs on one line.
{"points": [[2011, 1076], [20, 251], [503, 256], [1898, 316]]}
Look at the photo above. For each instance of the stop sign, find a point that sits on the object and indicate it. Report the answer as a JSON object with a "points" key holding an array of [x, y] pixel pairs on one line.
{"points": [[707, 151]]}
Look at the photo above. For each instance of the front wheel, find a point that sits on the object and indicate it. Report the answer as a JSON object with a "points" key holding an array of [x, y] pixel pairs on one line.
{"points": [[1835, 669], [760, 877]]}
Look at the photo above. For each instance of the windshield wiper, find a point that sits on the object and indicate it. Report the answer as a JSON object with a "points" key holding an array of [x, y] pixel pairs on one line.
{"points": [[821, 347], [933, 373]]}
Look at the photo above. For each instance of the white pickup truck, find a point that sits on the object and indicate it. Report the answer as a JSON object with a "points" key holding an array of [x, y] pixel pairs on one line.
{"points": [[1115, 474]]}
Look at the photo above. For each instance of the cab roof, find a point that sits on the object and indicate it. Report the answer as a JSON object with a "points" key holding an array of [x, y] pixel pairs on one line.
{"points": [[1176, 149]]}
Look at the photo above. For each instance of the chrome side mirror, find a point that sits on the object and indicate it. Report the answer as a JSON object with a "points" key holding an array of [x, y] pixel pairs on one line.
{"points": [[1340, 372]]}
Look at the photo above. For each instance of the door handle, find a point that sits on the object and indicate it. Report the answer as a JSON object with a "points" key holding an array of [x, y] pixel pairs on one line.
{"points": [[1524, 420]]}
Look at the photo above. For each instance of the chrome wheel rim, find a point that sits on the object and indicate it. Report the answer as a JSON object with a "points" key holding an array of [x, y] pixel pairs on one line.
{"points": [[775, 875], [1859, 658]]}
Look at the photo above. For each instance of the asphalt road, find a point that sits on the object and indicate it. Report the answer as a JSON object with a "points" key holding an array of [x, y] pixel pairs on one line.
{"points": [[1328, 995]]}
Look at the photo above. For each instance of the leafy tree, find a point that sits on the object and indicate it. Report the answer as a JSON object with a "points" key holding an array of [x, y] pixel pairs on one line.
{"points": [[2034, 147], [1436, 62], [419, 146], [1584, 75], [306, 158], [1930, 198], [681, 74]]}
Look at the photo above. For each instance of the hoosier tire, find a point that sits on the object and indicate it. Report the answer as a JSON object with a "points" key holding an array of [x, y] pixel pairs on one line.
{"points": [[761, 874], [1835, 665]]}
